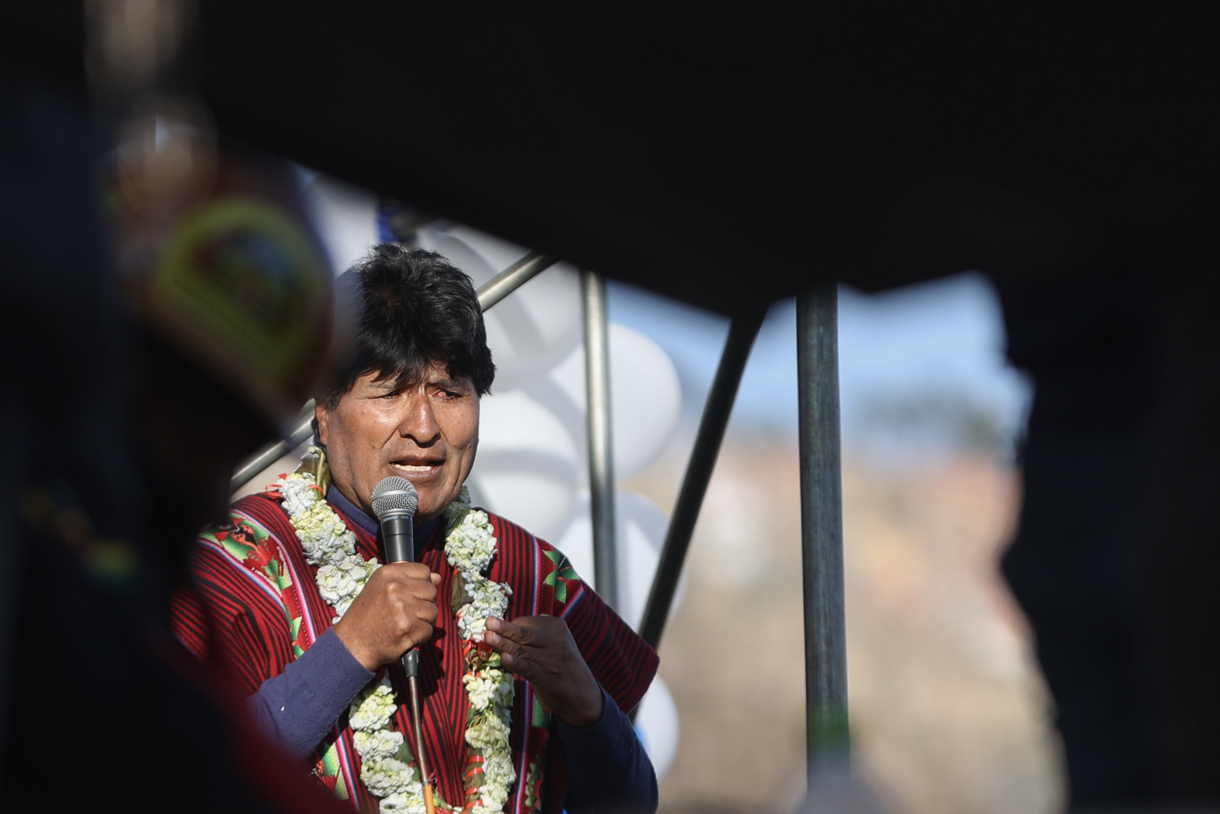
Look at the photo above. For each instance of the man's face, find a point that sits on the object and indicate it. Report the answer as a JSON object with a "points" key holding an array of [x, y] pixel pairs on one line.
{"points": [[427, 433]]}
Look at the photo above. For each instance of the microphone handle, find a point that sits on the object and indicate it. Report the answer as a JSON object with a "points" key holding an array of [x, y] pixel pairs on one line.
{"points": [[398, 534]]}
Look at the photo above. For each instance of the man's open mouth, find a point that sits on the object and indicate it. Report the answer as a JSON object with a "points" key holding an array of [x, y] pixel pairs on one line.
{"points": [[415, 467]]}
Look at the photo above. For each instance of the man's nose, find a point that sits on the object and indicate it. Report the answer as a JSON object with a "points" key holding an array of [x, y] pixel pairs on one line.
{"points": [[419, 421]]}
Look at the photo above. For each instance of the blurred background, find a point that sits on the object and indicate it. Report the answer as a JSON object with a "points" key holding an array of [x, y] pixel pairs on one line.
{"points": [[948, 711]]}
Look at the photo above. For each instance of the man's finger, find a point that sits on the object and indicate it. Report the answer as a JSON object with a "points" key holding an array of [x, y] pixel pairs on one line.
{"points": [[508, 630], [502, 644], [411, 570], [517, 665], [514, 656]]}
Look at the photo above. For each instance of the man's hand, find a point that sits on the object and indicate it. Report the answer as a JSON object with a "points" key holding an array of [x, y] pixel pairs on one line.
{"points": [[395, 612], [541, 650]]}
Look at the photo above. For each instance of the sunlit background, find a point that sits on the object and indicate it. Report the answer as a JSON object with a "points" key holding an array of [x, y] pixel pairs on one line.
{"points": [[948, 712]]}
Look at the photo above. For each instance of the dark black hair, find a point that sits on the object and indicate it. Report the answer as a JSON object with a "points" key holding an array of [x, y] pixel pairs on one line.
{"points": [[411, 308]]}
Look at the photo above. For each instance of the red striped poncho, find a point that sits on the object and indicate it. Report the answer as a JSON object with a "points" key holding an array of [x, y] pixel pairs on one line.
{"points": [[256, 606]]}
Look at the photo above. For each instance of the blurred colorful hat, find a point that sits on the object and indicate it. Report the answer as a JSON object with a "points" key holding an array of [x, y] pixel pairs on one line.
{"points": [[233, 276]]}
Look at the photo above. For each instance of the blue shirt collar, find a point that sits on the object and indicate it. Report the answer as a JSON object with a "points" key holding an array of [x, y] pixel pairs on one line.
{"points": [[423, 531]]}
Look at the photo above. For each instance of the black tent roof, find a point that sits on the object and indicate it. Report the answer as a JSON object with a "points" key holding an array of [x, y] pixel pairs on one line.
{"points": [[723, 156]]}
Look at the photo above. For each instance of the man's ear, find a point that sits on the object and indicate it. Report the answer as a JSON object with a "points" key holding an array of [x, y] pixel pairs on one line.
{"points": [[321, 416]]}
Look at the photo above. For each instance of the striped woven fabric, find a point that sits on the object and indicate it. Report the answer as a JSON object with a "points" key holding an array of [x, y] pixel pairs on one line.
{"points": [[255, 607]]}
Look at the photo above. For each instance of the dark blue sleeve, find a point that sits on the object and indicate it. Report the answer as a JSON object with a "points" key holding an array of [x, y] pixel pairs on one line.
{"points": [[300, 705], [607, 765]]}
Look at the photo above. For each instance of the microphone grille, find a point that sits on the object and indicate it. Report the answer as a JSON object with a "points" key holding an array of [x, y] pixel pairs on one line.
{"points": [[394, 495]]}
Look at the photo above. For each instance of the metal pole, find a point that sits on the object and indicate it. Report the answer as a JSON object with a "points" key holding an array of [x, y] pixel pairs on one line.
{"points": [[273, 452], [742, 332], [513, 277], [601, 436], [491, 292], [822, 530]]}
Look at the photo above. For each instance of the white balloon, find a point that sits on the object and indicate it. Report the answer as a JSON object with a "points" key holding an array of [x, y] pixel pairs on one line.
{"points": [[657, 725], [346, 217], [640, 526], [526, 467], [536, 326], [645, 396], [534, 501]]}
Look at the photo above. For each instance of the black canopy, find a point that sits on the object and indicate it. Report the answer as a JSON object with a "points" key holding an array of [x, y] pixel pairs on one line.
{"points": [[721, 156]]}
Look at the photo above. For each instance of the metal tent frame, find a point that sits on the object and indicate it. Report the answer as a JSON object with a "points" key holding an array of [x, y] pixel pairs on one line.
{"points": [[821, 483]]}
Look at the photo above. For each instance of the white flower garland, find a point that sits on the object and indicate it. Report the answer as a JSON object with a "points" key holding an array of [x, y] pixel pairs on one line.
{"points": [[470, 545]]}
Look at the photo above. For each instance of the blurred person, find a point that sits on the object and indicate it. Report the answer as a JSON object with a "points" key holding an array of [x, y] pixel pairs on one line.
{"points": [[1116, 548], [526, 673], [121, 436]]}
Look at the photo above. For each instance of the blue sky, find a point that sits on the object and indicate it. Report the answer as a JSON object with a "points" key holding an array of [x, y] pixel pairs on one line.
{"points": [[940, 339]]}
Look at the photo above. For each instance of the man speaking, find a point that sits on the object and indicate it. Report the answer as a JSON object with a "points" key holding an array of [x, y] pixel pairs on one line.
{"points": [[525, 675]]}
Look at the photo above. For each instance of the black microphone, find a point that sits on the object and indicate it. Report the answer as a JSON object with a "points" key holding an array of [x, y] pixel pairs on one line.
{"points": [[394, 502]]}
